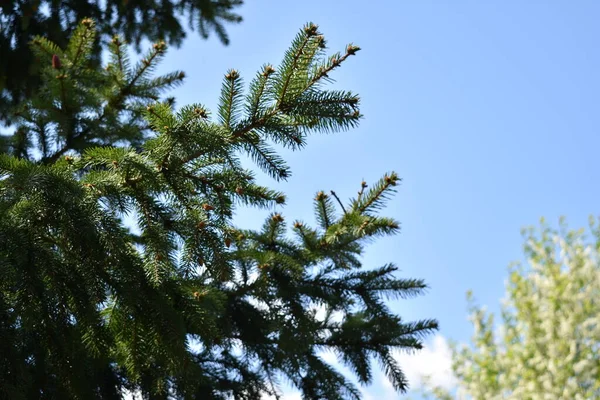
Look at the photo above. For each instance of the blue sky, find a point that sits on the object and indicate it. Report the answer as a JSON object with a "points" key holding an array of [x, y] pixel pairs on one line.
{"points": [[488, 110]]}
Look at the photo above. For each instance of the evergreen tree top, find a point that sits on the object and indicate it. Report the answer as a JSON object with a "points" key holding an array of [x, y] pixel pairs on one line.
{"points": [[187, 305]]}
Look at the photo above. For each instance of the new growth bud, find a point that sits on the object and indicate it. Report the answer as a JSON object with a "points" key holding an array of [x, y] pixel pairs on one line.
{"points": [[321, 196], [268, 70], [352, 49], [391, 180], [311, 29], [232, 75], [160, 46]]}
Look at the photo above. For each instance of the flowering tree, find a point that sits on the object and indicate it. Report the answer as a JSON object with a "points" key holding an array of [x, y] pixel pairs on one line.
{"points": [[547, 346]]}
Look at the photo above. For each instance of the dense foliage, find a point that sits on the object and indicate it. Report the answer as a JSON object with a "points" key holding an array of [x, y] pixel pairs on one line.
{"points": [[547, 345], [180, 303], [21, 21]]}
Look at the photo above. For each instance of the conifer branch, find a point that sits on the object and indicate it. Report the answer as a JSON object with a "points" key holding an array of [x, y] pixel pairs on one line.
{"points": [[310, 31], [89, 29], [323, 72]]}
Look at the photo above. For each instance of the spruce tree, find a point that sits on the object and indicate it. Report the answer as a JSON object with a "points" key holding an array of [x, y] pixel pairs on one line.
{"points": [[181, 303]]}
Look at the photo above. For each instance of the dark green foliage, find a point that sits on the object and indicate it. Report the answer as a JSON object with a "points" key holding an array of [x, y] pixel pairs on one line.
{"points": [[21, 21], [184, 304]]}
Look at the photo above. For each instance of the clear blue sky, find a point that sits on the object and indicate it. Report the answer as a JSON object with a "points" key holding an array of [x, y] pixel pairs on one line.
{"points": [[488, 110]]}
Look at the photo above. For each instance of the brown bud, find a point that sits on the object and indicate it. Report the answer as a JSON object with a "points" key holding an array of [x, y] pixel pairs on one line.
{"points": [[87, 22], [207, 207], [115, 163], [227, 242], [311, 29], [263, 266], [201, 112], [298, 225], [363, 184], [321, 196], [233, 74], [268, 70], [201, 225], [391, 180], [351, 49], [56, 64], [239, 190], [277, 218], [181, 75], [160, 46], [69, 159], [280, 199], [321, 42], [116, 41]]}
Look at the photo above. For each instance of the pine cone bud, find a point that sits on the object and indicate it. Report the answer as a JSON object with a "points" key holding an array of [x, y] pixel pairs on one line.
{"points": [[391, 180], [227, 242], [311, 29], [268, 70], [280, 199], [207, 207], [116, 41], [321, 42], [239, 190], [160, 46], [56, 64], [201, 112], [69, 159], [363, 184], [298, 225], [233, 74], [351, 49], [87, 22], [201, 225], [277, 218], [321, 196]]}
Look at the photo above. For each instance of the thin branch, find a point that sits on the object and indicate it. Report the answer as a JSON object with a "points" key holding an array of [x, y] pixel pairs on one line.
{"points": [[339, 201]]}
